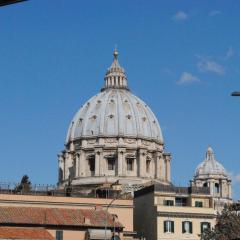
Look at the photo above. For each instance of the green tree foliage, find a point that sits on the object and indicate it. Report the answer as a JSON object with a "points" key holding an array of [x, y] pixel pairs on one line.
{"points": [[227, 226], [24, 185]]}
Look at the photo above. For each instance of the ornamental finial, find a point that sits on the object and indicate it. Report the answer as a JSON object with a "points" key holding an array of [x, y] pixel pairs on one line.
{"points": [[115, 53]]}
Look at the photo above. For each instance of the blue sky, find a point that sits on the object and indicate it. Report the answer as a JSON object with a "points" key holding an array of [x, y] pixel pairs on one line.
{"points": [[181, 57]]}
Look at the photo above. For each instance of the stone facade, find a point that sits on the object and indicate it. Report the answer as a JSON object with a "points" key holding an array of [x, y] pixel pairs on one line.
{"points": [[112, 159]]}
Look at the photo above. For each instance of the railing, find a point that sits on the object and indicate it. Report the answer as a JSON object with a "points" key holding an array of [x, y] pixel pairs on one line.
{"points": [[182, 190], [52, 190]]}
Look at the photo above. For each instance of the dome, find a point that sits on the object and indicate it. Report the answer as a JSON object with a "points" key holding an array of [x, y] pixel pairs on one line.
{"points": [[210, 166], [115, 112]]}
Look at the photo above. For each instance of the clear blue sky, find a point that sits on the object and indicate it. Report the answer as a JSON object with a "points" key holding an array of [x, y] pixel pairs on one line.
{"points": [[181, 57]]}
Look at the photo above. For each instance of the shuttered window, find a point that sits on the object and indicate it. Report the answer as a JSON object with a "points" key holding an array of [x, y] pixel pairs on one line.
{"points": [[186, 227], [168, 226], [204, 226]]}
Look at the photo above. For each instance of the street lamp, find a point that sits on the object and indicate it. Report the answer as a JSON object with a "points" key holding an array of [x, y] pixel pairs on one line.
{"points": [[236, 94], [106, 220]]}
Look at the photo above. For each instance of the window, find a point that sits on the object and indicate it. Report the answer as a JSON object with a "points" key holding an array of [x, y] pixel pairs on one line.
{"points": [[181, 201], [186, 227], [169, 226], [111, 163], [216, 188], [198, 204], [204, 226], [148, 163], [59, 235], [168, 202], [91, 164], [130, 164]]}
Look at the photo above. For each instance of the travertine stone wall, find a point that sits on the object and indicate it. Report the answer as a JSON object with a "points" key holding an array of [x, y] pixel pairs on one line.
{"points": [[147, 157]]}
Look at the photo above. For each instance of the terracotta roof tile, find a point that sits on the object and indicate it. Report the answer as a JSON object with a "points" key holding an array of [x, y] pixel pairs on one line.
{"points": [[56, 216], [25, 233]]}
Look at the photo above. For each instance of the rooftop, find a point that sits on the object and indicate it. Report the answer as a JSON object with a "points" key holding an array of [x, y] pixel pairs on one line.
{"points": [[36, 216], [24, 233], [157, 187]]}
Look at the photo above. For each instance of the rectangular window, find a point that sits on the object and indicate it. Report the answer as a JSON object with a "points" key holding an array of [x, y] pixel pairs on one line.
{"points": [[187, 227], [204, 226], [198, 204], [59, 235], [168, 202], [130, 164], [168, 226], [181, 201], [111, 164]]}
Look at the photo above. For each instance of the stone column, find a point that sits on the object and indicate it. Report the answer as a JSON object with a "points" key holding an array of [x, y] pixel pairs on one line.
{"points": [[121, 160], [158, 165], [229, 189], [66, 166], [211, 186], [142, 163], [167, 157], [61, 166], [98, 153], [77, 164], [82, 164]]}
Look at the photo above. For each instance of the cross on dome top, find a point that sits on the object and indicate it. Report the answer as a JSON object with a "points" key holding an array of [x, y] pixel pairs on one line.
{"points": [[115, 76]]}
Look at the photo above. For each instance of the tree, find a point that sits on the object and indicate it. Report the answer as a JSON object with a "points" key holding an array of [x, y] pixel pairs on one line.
{"points": [[25, 185], [227, 225]]}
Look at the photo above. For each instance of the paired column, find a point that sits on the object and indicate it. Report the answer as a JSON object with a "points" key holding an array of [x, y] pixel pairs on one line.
{"points": [[121, 169], [98, 162], [159, 165], [142, 163], [167, 157], [81, 164]]}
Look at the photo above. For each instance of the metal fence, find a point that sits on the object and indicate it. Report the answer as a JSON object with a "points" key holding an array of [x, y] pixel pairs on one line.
{"points": [[52, 190]]}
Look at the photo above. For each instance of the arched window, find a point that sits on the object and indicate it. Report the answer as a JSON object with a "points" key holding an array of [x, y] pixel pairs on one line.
{"points": [[91, 164], [111, 160], [216, 188]]}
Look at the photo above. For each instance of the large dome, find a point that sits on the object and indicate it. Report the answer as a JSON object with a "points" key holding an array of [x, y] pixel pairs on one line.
{"points": [[115, 112], [210, 166], [114, 137]]}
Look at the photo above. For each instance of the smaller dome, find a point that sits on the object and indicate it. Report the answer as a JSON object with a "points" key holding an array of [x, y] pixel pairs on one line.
{"points": [[210, 166]]}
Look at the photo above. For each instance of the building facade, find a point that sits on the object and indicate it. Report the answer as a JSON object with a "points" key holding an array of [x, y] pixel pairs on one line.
{"points": [[65, 218], [176, 213], [114, 137]]}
